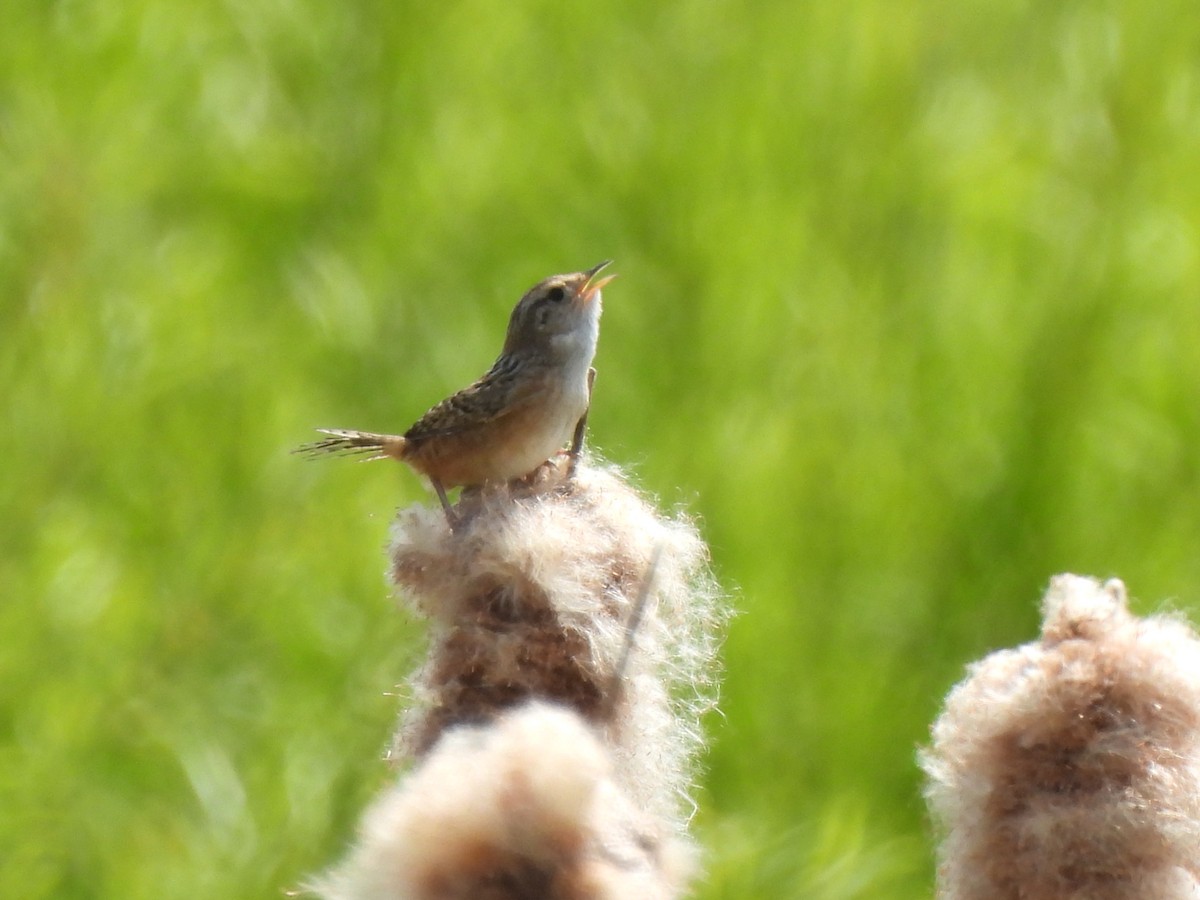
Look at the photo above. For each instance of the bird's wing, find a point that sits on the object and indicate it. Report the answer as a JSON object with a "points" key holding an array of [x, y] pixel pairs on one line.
{"points": [[506, 389]]}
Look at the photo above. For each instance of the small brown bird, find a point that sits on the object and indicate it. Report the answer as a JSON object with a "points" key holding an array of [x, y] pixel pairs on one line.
{"points": [[521, 412]]}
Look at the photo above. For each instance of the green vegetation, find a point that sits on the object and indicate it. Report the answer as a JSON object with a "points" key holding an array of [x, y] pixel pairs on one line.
{"points": [[908, 315]]}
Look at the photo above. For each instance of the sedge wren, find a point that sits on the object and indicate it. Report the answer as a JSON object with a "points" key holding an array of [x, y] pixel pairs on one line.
{"points": [[521, 412]]}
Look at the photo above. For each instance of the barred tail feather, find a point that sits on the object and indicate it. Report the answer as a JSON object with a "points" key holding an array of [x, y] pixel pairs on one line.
{"points": [[341, 441]]}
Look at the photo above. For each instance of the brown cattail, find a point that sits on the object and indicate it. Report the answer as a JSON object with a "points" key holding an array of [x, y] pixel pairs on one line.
{"points": [[533, 597], [572, 651], [1069, 768], [524, 808]]}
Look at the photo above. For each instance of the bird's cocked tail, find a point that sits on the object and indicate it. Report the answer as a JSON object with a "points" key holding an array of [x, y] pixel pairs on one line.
{"points": [[383, 446]]}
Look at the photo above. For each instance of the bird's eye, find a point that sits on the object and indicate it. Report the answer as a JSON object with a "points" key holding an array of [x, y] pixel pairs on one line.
{"points": [[555, 294]]}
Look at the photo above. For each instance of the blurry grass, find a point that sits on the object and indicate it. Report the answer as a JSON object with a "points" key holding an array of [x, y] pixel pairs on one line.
{"points": [[908, 311]]}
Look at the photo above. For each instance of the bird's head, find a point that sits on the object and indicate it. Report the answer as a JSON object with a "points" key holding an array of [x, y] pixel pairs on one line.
{"points": [[559, 315]]}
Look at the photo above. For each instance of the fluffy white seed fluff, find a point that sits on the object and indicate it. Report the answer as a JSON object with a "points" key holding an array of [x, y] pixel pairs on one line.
{"points": [[533, 597], [1069, 768], [522, 809], [541, 759]]}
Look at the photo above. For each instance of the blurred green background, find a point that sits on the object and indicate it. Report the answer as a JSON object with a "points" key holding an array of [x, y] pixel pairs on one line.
{"points": [[908, 317]]}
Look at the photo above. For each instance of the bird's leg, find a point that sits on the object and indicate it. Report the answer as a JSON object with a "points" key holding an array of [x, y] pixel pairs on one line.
{"points": [[451, 515], [580, 429]]}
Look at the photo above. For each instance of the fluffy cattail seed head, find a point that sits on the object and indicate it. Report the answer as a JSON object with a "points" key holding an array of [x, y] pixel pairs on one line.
{"points": [[534, 596], [524, 808], [549, 750], [1069, 768]]}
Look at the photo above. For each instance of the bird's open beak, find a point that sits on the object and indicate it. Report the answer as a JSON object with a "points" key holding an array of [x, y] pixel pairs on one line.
{"points": [[591, 287]]}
